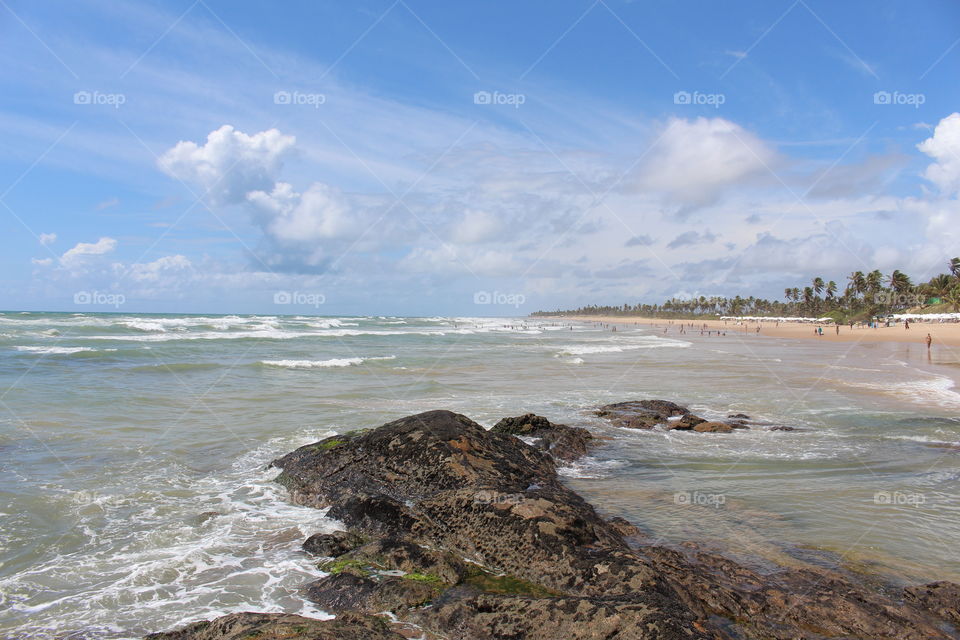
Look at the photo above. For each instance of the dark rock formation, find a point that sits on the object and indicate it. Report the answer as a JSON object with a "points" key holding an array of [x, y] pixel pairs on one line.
{"points": [[470, 534], [641, 414], [940, 598], [333, 544], [560, 441], [279, 626]]}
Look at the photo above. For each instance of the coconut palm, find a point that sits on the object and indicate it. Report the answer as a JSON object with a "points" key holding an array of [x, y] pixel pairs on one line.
{"points": [[831, 290], [939, 286], [858, 283], [953, 298], [818, 285], [955, 267]]}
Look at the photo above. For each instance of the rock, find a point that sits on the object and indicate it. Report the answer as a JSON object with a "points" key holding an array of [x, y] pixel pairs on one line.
{"points": [[441, 484], [809, 603], [559, 440], [941, 598], [508, 616], [342, 592], [474, 536], [739, 416], [641, 414], [334, 544], [713, 427], [782, 428], [687, 422], [391, 554], [282, 626]]}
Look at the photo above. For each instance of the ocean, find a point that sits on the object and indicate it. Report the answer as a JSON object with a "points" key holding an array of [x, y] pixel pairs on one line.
{"points": [[135, 494]]}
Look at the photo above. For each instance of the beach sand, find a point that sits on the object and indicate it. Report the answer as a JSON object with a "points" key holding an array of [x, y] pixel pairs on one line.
{"points": [[946, 334]]}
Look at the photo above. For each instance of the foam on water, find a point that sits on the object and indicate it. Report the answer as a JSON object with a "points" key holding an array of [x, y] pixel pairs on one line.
{"points": [[160, 555], [935, 391], [321, 364]]}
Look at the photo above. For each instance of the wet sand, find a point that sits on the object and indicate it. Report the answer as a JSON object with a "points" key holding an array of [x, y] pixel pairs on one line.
{"points": [[945, 334]]}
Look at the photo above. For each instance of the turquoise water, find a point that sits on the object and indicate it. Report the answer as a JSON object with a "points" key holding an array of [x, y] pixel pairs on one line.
{"points": [[134, 494]]}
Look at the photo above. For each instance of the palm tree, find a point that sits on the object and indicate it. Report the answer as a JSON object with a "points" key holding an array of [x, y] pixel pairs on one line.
{"points": [[818, 285], [808, 297], [953, 298], [831, 290], [858, 283], [939, 286], [955, 267]]}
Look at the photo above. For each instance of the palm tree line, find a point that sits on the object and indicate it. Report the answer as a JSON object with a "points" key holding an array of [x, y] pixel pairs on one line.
{"points": [[864, 296]]}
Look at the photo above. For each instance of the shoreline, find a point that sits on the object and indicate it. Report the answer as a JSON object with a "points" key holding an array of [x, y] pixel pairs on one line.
{"points": [[945, 334]]}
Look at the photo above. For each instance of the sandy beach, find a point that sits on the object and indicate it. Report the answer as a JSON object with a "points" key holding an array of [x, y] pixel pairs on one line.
{"points": [[946, 334]]}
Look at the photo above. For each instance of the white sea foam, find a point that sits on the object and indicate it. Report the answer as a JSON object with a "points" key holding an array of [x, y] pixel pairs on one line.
{"points": [[933, 392], [618, 347], [58, 350], [321, 364]]}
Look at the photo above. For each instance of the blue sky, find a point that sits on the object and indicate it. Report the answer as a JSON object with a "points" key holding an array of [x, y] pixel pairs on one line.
{"points": [[409, 157]]}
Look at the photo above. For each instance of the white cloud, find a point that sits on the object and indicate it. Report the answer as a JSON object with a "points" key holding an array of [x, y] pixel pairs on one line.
{"points": [[47, 238], [41, 262], [231, 164], [944, 147], [84, 251], [288, 217], [694, 160], [476, 226]]}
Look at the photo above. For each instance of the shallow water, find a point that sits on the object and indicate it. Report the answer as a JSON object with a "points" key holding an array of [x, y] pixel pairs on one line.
{"points": [[134, 494]]}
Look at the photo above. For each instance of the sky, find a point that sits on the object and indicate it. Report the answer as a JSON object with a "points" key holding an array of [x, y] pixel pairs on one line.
{"points": [[414, 157]]}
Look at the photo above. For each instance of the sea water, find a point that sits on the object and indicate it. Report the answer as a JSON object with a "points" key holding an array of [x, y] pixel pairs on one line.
{"points": [[135, 493]]}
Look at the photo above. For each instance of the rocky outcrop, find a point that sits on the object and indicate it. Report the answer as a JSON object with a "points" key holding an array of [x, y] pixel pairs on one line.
{"points": [[940, 598], [468, 533], [663, 414], [560, 441], [279, 626]]}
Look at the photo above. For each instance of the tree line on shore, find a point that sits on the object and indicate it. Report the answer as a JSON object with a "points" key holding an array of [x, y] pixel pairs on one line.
{"points": [[865, 295]]}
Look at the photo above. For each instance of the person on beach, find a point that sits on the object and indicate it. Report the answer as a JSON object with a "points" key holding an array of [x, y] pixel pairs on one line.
{"points": [[838, 329], [929, 341]]}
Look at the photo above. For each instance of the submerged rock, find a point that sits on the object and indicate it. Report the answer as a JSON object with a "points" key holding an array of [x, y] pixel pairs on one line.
{"points": [[641, 414]]}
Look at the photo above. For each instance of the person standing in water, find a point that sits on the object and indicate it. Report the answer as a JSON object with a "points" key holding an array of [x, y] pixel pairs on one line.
{"points": [[929, 341]]}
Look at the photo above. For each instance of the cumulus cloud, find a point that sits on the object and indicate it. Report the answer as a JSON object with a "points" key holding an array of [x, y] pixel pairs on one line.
{"points": [[288, 217], [41, 262], [693, 161], [47, 238], [639, 241], [690, 238], [944, 147], [477, 226], [231, 164], [83, 252]]}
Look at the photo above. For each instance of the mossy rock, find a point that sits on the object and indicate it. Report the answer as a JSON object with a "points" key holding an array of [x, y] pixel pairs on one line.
{"points": [[506, 584]]}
